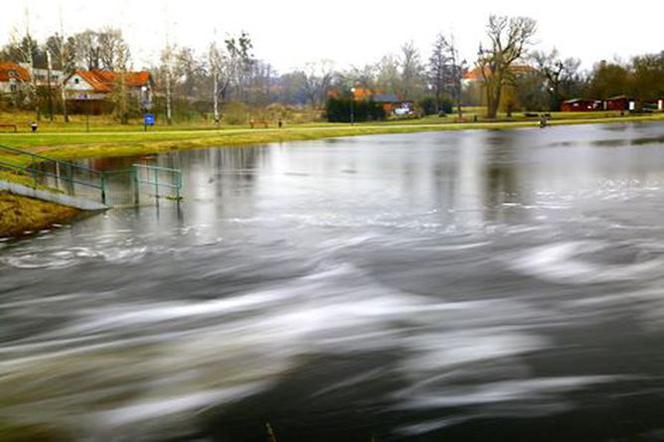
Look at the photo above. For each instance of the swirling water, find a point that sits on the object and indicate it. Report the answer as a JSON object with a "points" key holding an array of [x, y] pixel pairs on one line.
{"points": [[437, 286]]}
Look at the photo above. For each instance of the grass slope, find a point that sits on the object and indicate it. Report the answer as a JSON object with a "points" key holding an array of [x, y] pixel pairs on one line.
{"points": [[114, 142], [19, 215]]}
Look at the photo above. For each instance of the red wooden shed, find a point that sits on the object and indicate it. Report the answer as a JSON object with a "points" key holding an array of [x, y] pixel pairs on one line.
{"points": [[579, 105]]}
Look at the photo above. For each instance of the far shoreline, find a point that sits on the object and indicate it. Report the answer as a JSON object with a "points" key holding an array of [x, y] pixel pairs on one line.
{"points": [[106, 144]]}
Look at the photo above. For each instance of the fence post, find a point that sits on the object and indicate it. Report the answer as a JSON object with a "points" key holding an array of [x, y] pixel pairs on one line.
{"points": [[176, 178], [156, 183], [70, 179], [136, 190], [103, 187], [33, 171]]}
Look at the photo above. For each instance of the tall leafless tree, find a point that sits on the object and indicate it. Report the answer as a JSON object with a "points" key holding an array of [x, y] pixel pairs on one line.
{"points": [[317, 79], [559, 75], [509, 38], [411, 70]]}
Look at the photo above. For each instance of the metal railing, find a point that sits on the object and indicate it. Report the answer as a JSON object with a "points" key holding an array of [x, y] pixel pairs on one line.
{"points": [[150, 175], [48, 172]]}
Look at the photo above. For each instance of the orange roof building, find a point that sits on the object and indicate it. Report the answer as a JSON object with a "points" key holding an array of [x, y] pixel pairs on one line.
{"points": [[95, 86], [12, 75], [98, 81]]}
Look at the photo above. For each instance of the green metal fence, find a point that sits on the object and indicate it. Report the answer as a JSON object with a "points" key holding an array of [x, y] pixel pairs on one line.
{"points": [[107, 186], [157, 178]]}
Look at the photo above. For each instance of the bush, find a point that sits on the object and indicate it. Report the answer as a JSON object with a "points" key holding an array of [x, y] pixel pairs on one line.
{"points": [[428, 106], [234, 112], [337, 110]]}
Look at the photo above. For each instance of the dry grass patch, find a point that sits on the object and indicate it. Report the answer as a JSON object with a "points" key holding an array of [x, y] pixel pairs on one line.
{"points": [[19, 214]]}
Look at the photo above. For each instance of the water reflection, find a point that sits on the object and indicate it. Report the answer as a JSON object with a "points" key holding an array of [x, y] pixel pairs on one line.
{"points": [[462, 286]]}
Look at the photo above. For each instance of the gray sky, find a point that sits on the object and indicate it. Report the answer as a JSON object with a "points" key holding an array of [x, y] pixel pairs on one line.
{"points": [[289, 33]]}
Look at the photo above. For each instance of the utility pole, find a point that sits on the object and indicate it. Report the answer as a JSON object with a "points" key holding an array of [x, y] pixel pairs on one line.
{"points": [[63, 68], [29, 58], [48, 84], [167, 62]]}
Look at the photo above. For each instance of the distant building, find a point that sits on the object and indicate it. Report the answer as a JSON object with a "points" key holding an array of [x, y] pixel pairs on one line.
{"points": [[620, 103], [657, 104], [42, 76], [89, 91], [581, 105], [12, 77], [391, 103]]}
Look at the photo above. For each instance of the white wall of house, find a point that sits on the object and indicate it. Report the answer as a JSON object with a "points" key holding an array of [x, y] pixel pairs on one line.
{"points": [[76, 83], [41, 77], [8, 87], [76, 88]]}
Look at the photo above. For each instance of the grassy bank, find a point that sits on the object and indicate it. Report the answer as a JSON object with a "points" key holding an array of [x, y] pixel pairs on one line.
{"points": [[20, 215], [131, 140]]}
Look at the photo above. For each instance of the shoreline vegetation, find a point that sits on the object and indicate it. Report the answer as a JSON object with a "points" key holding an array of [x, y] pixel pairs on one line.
{"points": [[112, 140], [20, 215]]}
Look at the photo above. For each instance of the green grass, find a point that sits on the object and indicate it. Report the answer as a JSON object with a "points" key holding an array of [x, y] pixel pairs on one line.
{"points": [[117, 140]]}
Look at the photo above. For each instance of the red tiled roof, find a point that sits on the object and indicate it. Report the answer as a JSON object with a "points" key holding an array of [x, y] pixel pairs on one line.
{"points": [[103, 81], [6, 67]]}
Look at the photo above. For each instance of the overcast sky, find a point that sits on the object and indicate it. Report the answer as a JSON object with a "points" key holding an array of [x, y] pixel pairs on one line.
{"points": [[289, 33]]}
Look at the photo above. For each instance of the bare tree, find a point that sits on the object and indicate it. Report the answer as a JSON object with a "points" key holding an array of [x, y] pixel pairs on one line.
{"points": [[457, 72], [25, 47], [221, 77], [63, 53], [509, 38], [559, 75], [167, 61], [87, 50], [228, 66], [122, 102], [388, 75], [240, 61], [446, 70], [316, 81], [439, 69], [112, 48], [411, 69], [364, 76]]}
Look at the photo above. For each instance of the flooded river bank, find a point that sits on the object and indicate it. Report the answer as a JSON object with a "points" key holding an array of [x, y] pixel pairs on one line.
{"points": [[435, 286]]}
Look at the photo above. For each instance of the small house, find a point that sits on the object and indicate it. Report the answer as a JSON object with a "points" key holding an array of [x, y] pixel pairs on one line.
{"points": [[620, 103], [90, 91], [580, 105], [392, 105], [12, 77], [44, 77]]}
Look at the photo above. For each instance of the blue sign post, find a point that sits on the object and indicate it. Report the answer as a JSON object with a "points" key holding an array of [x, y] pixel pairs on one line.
{"points": [[148, 120]]}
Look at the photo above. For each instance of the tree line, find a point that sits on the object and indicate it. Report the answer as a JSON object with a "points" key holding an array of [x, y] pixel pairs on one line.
{"points": [[511, 74]]}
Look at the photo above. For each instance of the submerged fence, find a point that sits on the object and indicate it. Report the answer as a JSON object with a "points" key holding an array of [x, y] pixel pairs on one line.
{"points": [[114, 187]]}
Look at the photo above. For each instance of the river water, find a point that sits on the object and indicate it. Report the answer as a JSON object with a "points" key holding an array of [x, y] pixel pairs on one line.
{"points": [[481, 285]]}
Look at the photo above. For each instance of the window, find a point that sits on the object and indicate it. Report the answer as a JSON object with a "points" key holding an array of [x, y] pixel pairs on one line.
{"points": [[77, 80]]}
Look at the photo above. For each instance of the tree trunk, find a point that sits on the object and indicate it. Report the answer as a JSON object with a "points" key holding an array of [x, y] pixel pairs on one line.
{"points": [[494, 91], [169, 98], [48, 85], [63, 97], [215, 100]]}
